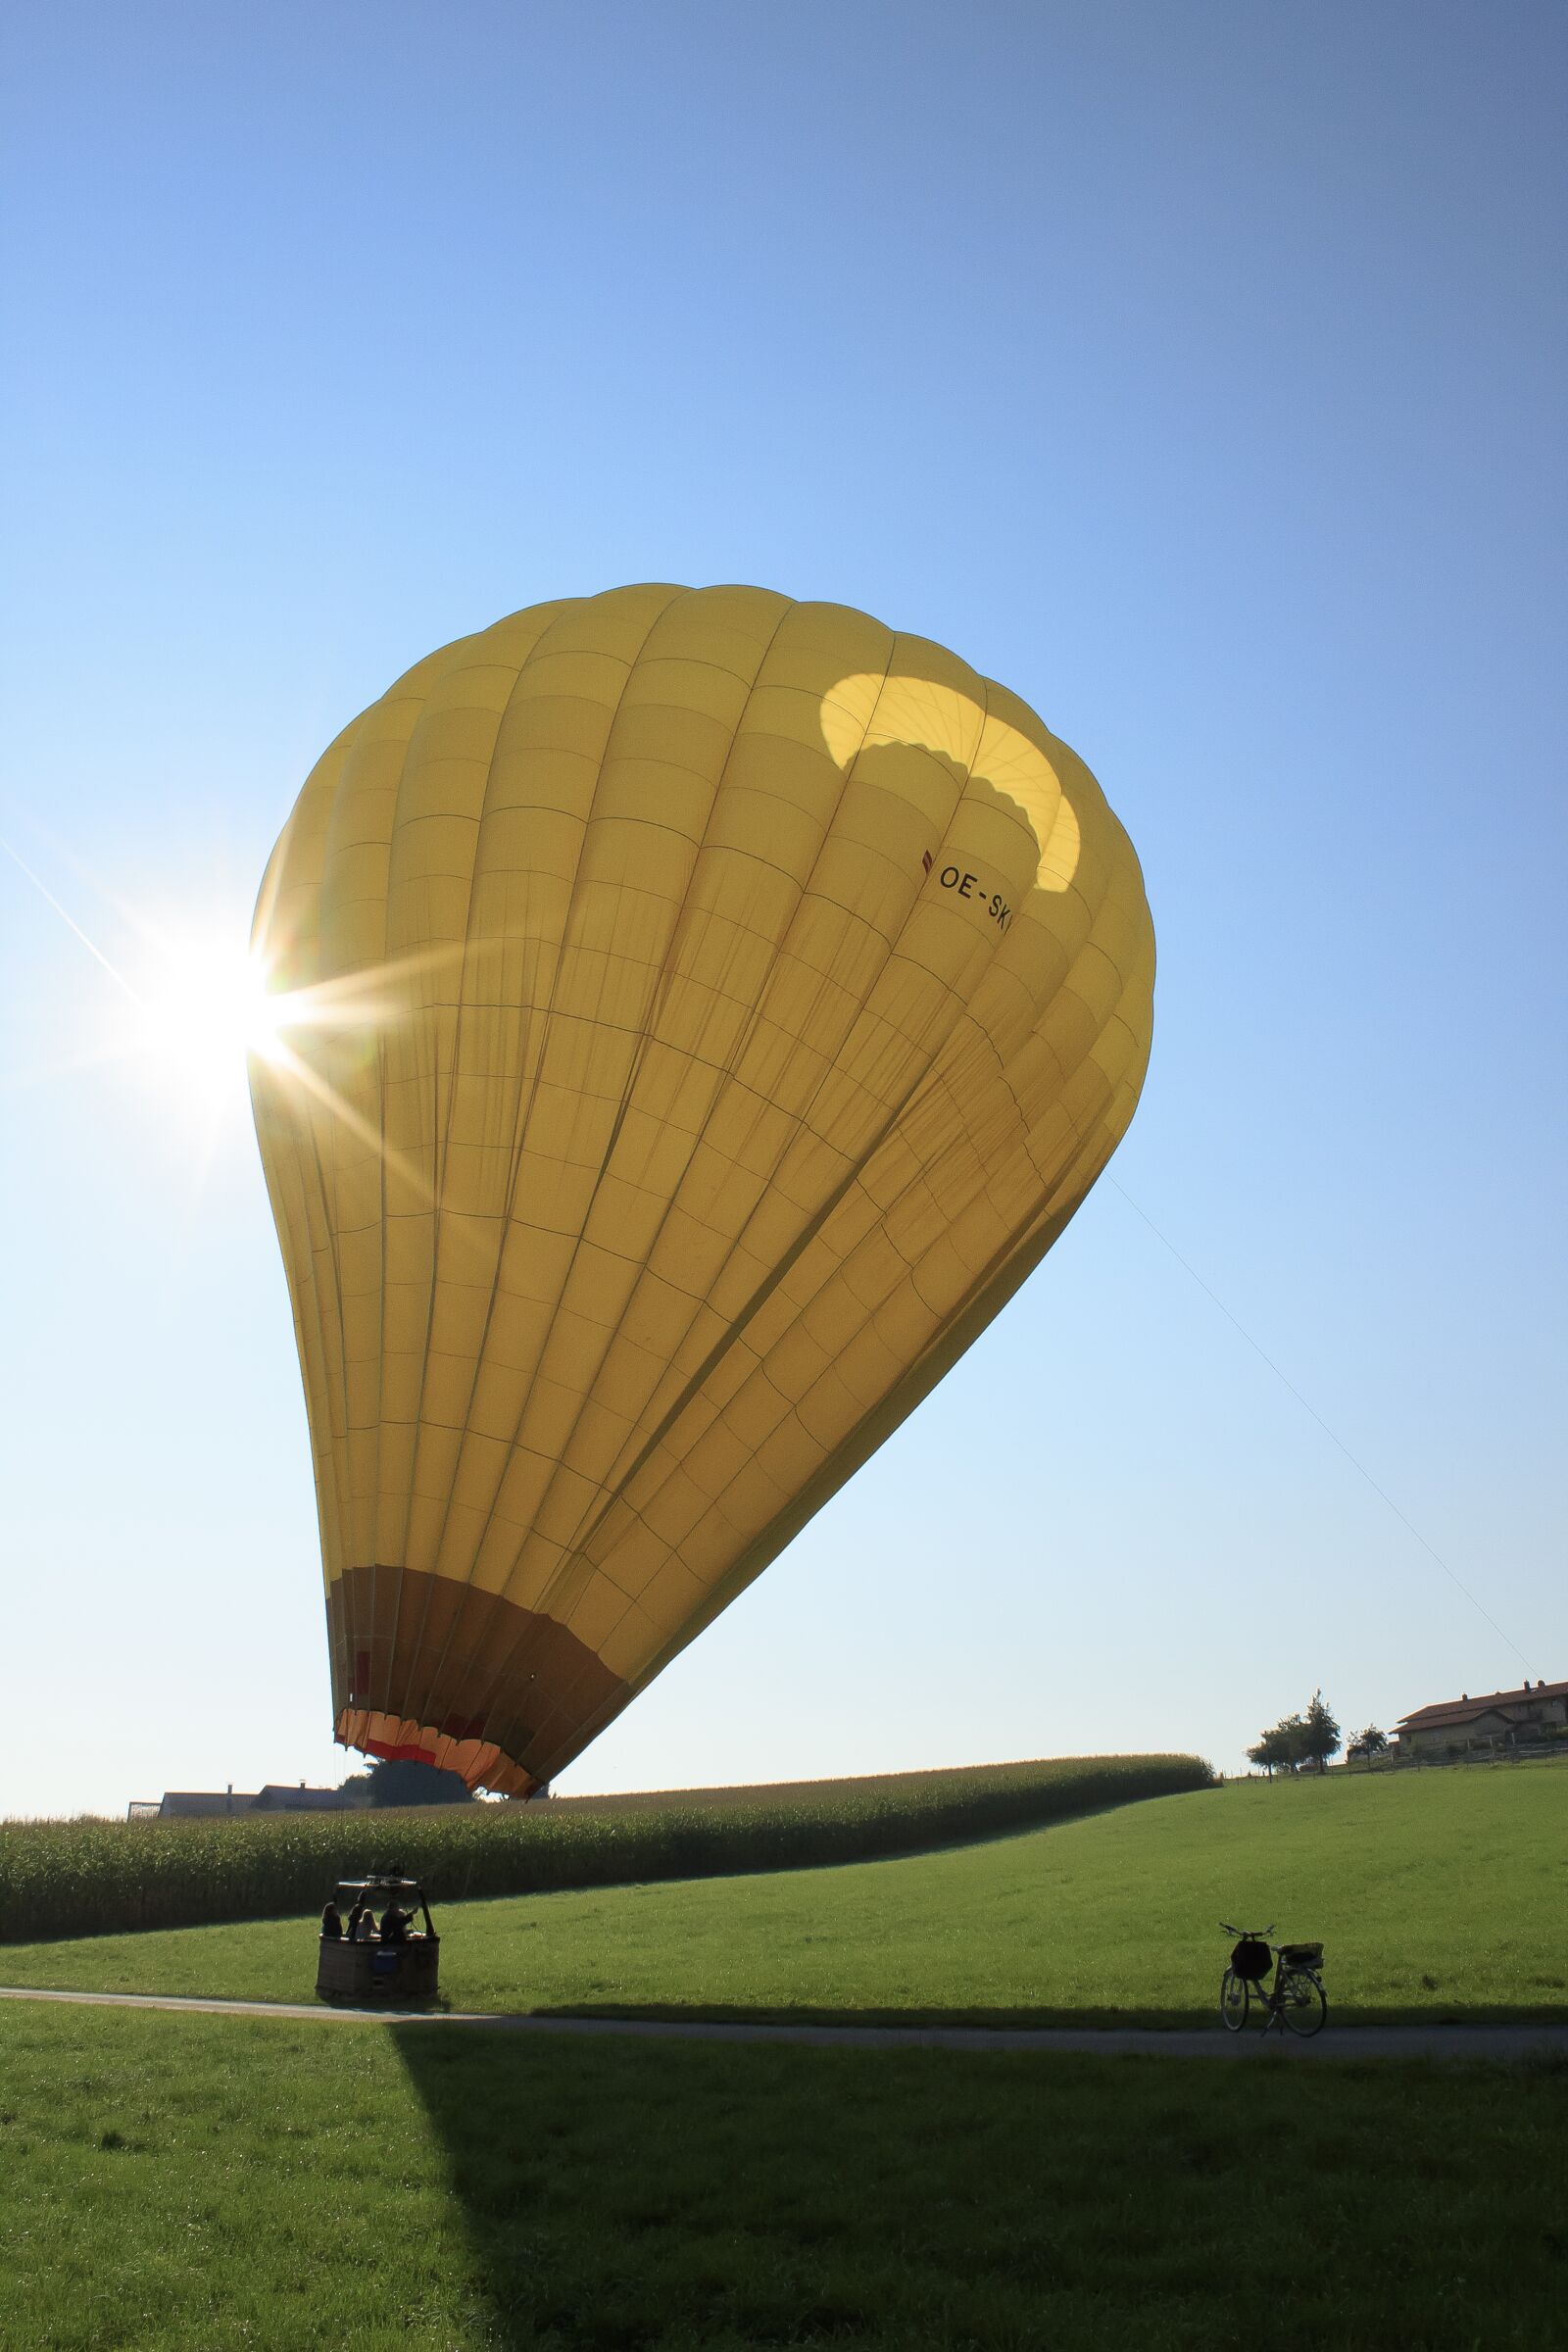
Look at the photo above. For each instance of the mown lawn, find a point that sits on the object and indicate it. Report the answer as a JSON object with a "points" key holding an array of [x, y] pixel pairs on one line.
{"points": [[178, 2181], [1432, 1892]]}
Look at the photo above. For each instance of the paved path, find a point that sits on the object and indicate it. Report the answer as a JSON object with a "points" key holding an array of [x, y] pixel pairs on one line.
{"points": [[1494, 2043]]}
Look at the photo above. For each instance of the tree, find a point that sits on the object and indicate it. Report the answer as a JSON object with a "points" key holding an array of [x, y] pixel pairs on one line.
{"points": [[1321, 1733], [1370, 1744], [402, 1782], [1282, 1749], [1291, 1733]]}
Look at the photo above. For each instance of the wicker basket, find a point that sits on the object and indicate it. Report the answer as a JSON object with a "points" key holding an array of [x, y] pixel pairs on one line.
{"points": [[377, 1972]]}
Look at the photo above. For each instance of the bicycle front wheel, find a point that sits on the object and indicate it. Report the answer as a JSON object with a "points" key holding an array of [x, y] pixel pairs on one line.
{"points": [[1303, 2004], [1235, 1998]]}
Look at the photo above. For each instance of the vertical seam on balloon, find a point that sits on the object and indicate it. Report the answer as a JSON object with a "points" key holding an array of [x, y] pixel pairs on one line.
{"points": [[437, 1130], [498, 1677], [594, 1515], [318, 1241], [726, 1075], [347, 740], [282, 1168], [376, 1568], [521, 1131], [376, 1448], [519, 1135], [736, 1327], [329, 1223], [656, 1001], [437, 1160], [301, 1136], [392, 1569]]}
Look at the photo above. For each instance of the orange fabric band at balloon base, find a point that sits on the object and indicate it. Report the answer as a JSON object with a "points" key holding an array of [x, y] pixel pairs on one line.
{"points": [[439, 1673], [390, 1738]]}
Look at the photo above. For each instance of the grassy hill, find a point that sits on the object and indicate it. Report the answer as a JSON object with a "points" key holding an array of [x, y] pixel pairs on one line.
{"points": [[1433, 1893]]}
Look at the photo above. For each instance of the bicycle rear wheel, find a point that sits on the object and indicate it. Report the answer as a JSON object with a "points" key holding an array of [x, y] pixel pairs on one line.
{"points": [[1304, 2003], [1235, 1998]]}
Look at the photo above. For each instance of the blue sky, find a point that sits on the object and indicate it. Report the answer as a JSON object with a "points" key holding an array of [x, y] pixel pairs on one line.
{"points": [[1198, 373]]}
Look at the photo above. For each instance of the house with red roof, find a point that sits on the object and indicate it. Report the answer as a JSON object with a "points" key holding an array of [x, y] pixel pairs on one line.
{"points": [[1502, 1718]]}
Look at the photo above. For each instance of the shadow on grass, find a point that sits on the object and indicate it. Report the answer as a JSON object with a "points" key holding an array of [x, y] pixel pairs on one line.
{"points": [[621, 2195]]}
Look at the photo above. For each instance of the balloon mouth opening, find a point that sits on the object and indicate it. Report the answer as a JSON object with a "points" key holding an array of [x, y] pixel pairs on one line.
{"points": [[434, 1671], [399, 1739]]}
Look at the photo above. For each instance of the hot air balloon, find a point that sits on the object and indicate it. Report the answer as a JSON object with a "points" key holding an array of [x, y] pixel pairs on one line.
{"points": [[703, 1010]]}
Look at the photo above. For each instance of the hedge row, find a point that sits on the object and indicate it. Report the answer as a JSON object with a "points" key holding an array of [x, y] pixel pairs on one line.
{"points": [[91, 1877]]}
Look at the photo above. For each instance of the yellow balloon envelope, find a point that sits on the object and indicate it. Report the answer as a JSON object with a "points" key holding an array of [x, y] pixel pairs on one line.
{"points": [[705, 1011]]}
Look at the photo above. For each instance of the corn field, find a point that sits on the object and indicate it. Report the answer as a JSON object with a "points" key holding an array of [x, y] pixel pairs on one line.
{"points": [[94, 1877]]}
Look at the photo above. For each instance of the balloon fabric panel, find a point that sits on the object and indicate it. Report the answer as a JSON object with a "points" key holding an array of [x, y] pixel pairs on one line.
{"points": [[710, 1009]]}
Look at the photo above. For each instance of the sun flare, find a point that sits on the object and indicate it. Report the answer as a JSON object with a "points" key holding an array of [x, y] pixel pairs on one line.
{"points": [[192, 1011], [205, 1007]]}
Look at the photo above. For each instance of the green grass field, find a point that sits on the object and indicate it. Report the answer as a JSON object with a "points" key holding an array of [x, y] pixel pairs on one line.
{"points": [[236, 2186], [1432, 1891]]}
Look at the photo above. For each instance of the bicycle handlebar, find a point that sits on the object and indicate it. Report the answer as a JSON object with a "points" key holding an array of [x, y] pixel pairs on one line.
{"points": [[1228, 1929]]}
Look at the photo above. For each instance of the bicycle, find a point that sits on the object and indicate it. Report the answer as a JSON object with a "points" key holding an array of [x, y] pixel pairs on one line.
{"points": [[1296, 2002]]}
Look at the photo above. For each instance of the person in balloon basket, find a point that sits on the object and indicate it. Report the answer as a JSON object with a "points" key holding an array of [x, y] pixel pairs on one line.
{"points": [[331, 1923], [362, 1922], [394, 1922]]}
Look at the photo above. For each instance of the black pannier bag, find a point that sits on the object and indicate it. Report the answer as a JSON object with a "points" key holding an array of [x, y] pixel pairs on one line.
{"points": [[1252, 1959]]}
